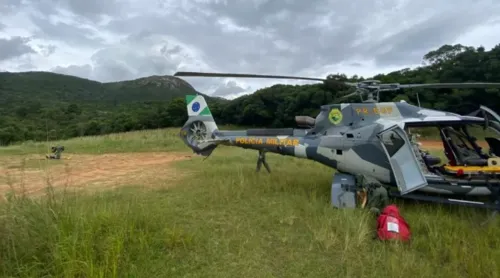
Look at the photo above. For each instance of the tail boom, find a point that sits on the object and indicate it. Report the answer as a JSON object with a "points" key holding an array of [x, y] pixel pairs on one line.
{"points": [[285, 145]]}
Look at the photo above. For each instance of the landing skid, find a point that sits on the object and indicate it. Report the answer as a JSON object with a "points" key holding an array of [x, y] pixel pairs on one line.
{"points": [[261, 160], [494, 205], [485, 181], [436, 199], [344, 195]]}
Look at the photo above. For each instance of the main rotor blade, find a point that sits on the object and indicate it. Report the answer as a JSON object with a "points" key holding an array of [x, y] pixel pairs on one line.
{"points": [[348, 95], [452, 85], [244, 75]]}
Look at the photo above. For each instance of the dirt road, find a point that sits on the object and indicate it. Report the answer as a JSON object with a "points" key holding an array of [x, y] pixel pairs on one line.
{"points": [[432, 144], [89, 171]]}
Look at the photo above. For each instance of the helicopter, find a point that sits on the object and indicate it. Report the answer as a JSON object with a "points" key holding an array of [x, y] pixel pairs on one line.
{"points": [[372, 138]]}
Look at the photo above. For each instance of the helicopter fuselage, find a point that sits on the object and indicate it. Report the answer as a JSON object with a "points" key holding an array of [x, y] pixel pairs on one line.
{"points": [[360, 138], [340, 152]]}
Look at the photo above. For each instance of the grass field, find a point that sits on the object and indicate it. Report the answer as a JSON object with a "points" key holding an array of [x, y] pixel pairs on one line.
{"points": [[171, 214]]}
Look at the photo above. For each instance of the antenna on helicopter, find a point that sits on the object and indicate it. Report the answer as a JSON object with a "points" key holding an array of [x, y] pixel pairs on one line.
{"points": [[370, 88]]}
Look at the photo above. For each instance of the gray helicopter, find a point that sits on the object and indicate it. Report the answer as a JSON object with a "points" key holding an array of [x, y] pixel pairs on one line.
{"points": [[372, 138]]}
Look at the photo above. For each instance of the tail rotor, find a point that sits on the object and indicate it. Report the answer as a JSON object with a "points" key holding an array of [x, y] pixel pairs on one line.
{"points": [[200, 129]]}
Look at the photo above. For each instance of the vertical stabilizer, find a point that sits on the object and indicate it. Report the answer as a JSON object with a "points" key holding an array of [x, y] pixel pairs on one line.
{"points": [[200, 126]]}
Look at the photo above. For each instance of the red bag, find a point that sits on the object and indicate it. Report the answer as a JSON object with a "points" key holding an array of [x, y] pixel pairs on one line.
{"points": [[391, 225]]}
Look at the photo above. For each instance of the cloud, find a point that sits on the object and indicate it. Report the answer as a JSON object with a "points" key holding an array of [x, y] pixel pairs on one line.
{"points": [[8, 6], [119, 40], [14, 47], [84, 71], [71, 33], [230, 88], [47, 50], [431, 33]]}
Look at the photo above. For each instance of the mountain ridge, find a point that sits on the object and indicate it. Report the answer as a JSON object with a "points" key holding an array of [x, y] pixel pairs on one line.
{"points": [[42, 105], [46, 85]]}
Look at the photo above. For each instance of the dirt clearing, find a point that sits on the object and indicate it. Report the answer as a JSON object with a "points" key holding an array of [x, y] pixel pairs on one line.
{"points": [[101, 171], [432, 144], [89, 171]]}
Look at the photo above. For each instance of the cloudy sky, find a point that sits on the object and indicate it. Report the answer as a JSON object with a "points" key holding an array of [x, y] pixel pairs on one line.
{"points": [[113, 40]]}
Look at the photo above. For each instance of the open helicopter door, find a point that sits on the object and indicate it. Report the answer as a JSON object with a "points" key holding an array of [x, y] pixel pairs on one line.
{"points": [[407, 172], [491, 119]]}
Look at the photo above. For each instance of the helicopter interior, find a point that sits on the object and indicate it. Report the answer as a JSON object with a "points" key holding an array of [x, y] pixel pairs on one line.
{"points": [[461, 150]]}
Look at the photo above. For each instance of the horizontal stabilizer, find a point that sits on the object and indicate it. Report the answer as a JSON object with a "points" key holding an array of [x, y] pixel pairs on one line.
{"points": [[305, 121]]}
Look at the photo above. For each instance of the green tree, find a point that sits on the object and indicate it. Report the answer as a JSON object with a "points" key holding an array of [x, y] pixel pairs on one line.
{"points": [[42, 105]]}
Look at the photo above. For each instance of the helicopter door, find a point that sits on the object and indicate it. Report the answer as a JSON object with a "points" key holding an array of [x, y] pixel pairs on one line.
{"points": [[491, 119], [404, 163]]}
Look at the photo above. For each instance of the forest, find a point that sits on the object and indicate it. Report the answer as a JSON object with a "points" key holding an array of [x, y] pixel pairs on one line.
{"points": [[42, 106]]}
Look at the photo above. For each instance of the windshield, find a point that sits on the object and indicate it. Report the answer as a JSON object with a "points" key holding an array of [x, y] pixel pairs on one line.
{"points": [[479, 131], [491, 119]]}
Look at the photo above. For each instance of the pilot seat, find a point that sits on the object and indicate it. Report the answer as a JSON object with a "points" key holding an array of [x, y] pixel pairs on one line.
{"points": [[466, 158], [460, 152]]}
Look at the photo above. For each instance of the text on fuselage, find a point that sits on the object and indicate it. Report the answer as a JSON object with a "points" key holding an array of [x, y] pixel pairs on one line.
{"points": [[266, 141], [374, 111]]}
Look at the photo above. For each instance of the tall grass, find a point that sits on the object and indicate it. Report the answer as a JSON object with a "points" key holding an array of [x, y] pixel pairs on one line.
{"points": [[135, 141], [151, 141], [225, 220]]}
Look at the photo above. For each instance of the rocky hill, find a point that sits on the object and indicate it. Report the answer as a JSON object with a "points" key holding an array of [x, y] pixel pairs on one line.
{"points": [[48, 87], [34, 105]]}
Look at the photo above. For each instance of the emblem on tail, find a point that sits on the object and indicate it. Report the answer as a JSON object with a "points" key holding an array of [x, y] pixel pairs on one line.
{"points": [[200, 129]]}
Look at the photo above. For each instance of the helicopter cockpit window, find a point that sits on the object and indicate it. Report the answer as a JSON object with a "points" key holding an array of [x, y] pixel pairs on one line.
{"points": [[392, 142]]}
